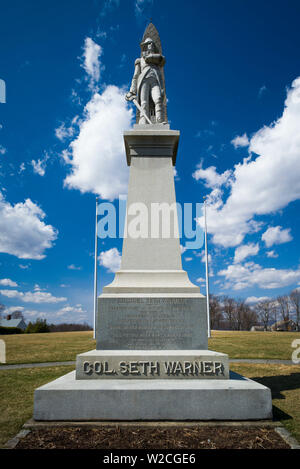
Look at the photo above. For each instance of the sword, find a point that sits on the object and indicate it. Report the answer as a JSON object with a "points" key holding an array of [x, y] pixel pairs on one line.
{"points": [[142, 113]]}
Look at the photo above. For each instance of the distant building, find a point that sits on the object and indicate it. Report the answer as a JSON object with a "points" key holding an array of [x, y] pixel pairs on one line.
{"points": [[20, 323], [259, 328], [287, 325]]}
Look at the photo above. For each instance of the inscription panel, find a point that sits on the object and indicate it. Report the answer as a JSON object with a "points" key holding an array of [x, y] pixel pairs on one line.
{"points": [[152, 367], [151, 323]]}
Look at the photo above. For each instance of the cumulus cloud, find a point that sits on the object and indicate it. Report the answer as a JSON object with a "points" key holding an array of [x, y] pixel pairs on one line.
{"points": [[12, 309], [6, 282], [23, 232], [245, 250], [240, 141], [70, 309], [254, 299], [276, 235], [211, 177], [240, 276], [2, 150], [38, 167], [272, 254], [91, 61], [97, 158], [110, 259], [259, 186], [32, 297]]}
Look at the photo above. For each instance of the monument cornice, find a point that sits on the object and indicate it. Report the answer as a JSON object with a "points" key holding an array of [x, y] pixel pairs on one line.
{"points": [[151, 143]]}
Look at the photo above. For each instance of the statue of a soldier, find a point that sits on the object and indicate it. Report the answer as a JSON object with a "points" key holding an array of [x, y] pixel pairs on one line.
{"points": [[147, 89]]}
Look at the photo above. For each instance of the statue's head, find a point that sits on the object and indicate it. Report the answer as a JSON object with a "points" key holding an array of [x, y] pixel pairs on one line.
{"points": [[148, 46]]}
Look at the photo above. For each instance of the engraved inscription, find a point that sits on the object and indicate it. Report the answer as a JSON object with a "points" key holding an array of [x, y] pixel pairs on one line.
{"points": [[151, 323], [144, 368]]}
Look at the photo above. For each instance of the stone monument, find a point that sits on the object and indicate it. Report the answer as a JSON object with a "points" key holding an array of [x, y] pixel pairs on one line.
{"points": [[151, 360]]}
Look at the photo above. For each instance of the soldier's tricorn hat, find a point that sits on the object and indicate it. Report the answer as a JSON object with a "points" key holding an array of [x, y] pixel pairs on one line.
{"points": [[151, 34]]}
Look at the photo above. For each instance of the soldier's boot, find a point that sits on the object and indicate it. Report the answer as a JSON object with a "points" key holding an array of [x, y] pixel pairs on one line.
{"points": [[144, 107]]}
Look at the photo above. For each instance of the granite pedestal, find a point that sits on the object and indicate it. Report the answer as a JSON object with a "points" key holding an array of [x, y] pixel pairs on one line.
{"points": [[151, 360]]}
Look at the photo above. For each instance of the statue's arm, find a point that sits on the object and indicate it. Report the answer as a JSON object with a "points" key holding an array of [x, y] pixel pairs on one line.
{"points": [[156, 59], [137, 71]]}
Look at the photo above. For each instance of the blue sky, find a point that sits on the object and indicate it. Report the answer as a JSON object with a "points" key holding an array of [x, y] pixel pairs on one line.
{"points": [[233, 87]]}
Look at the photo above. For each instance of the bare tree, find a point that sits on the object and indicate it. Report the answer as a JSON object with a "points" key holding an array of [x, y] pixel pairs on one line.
{"points": [[229, 306], [284, 307], [295, 301], [265, 312], [249, 318], [215, 312], [17, 315], [2, 308]]}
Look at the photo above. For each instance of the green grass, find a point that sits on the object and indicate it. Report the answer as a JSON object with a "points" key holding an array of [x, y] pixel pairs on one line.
{"points": [[16, 396], [47, 347], [284, 382], [17, 388], [244, 344], [64, 346]]}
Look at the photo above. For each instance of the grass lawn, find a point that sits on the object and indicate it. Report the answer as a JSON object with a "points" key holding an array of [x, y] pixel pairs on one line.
{"points": [[16, 396], [64, 346], [284, 382], [47, 347], [17, 387], [244, 344]]}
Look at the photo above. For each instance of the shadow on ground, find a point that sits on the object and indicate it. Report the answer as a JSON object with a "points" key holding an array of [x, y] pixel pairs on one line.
{"points": [[278, 384]]}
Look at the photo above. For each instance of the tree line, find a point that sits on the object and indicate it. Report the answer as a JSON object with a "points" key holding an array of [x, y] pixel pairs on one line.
{"points": [[236, 314]]}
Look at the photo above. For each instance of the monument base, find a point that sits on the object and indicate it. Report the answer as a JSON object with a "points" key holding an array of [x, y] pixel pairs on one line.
{"points": [[68, 399]]}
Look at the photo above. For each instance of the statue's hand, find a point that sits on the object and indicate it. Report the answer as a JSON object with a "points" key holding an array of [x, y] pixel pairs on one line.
{"points": [[130, 96]]}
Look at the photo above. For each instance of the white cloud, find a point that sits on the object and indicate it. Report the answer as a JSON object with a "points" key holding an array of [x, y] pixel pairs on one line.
{"points": [[250, 274], [32, 297], [39, 166], [110, 259], [74, 267], [211, 177], [276, 235], [272, 254], [176, 176], [262, 90], [263, 185], [91, 61], [141, 6], [2, 150], [6, 282], [254, 299], [22, 168], [70, 309], [62, 132], [109, 5], [99, 147], [240, 141], [244, 251], [182, 249], [34, 314], [200, 280], [11, 309], [23, 232]]}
